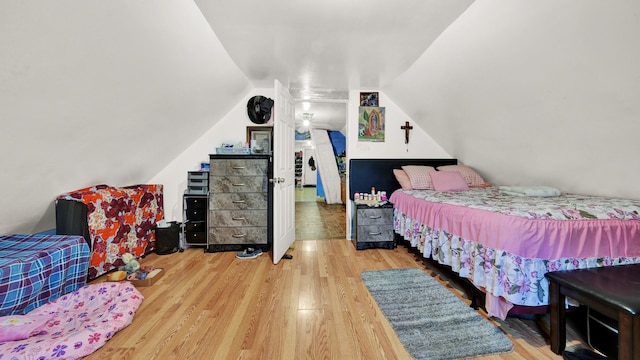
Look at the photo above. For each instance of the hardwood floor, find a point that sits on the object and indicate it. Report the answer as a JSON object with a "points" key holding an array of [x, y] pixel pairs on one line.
{"points": [[306, 194], [317, 220], [314, 306]]}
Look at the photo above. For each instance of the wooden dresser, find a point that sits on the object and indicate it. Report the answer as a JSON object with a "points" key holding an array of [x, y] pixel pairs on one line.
{"points": [[239, 202]]}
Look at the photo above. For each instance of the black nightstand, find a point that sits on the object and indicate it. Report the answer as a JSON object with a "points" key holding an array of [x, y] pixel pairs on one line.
{"points": [[374, 227]]}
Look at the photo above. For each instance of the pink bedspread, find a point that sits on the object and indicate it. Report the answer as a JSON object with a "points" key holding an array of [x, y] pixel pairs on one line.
{"points": [[78, 323], [545, 228], [505, 244]]}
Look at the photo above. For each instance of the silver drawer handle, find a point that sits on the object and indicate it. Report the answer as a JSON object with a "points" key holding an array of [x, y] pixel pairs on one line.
{"points": [[238, 235], [238, 184], [239, 201], [375, 217], [378, 233], [238, 167], [237, 218]]}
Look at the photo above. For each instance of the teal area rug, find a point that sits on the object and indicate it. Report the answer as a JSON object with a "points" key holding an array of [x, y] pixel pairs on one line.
{"points": [[431, 321]]}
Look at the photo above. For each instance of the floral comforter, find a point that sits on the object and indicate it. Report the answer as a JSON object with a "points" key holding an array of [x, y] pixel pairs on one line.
{"points": [[120, 220], [565, 207], [72, 326], [505, 244]]}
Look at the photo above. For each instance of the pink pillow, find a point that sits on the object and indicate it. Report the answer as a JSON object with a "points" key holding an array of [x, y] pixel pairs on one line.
{"points": [[448, 181], [20, 327], [472, 178], [403, 179], [419, 176]]}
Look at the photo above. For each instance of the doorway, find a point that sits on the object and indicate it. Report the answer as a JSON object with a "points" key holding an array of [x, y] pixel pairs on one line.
{"points": [[316, 220]]}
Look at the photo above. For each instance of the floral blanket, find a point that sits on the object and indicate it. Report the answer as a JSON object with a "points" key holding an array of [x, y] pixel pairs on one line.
{"points": [[72, 326], [505, 244], [120, 220], [565, 207]]}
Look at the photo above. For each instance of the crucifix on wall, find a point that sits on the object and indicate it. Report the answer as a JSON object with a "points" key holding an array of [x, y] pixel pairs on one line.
{"points": [[406, 127]]}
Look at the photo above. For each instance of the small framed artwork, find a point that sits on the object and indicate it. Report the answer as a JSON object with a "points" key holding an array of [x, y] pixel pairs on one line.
{"points": [[260, 138], [368, 99], [371, 124]]}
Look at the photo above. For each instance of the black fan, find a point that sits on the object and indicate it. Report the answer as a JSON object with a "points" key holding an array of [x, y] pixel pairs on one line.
{"points": [[259, 109]]}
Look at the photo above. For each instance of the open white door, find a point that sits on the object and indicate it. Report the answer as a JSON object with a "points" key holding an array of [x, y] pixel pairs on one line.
{"points": [[284, 225]]}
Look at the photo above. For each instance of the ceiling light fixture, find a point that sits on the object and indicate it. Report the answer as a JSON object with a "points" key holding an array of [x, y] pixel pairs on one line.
{"points": [[306, 118], [306, 105]]}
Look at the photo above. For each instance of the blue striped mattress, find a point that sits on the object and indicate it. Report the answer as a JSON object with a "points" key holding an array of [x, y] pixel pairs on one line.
{"points": [[36, 269]]}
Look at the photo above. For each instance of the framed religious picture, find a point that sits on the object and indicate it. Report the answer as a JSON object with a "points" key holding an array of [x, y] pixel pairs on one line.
{"points": [[260, 139], [368, 99], [371, 123]]}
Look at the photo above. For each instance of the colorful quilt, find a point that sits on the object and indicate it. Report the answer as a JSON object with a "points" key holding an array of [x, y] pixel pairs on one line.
{"points": [[36, 269], [505, 244], [73, 326], [120, 220]]}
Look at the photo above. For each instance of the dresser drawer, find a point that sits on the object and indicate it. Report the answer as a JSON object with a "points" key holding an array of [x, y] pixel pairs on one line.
{"points": [[235, 184], [191, 237], [255, 167], [195, 226], [239, 235], [196, 214], [198, 175], [375, 216], [196, 203], [374, 233], [223, 218], [198, 182], [240, 201]]}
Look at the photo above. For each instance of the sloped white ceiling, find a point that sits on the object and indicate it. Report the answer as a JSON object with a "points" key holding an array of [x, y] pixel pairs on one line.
{"points": [[535, 92], [328, 45], [321, 50], [111, 92], [101, 92]]}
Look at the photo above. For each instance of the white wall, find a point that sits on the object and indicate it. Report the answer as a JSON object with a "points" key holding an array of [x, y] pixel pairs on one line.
{"points": [[98, 92], [536, 93], [230, 129], [420, 145], [111, 92]]}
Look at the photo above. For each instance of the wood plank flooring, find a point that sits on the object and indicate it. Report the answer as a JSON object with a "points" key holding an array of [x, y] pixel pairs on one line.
{"points": [[314, 306], [317, 220]]}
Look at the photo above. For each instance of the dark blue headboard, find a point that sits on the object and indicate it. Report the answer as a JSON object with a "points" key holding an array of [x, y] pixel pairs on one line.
{"points": [[365, 173]]}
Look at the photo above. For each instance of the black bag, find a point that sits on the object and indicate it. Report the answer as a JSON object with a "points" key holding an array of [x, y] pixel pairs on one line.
{"points": [[168, 239]]}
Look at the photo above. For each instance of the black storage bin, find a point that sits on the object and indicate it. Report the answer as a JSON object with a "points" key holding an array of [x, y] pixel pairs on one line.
{"points": [[168, 239]]}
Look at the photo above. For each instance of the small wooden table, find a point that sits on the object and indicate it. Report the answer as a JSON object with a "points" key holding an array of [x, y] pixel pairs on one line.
{"points": [[614, 291]]}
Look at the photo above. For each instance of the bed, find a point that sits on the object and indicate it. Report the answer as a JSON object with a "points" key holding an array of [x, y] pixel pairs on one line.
{"points": [[36, 269], [504, 243]]}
